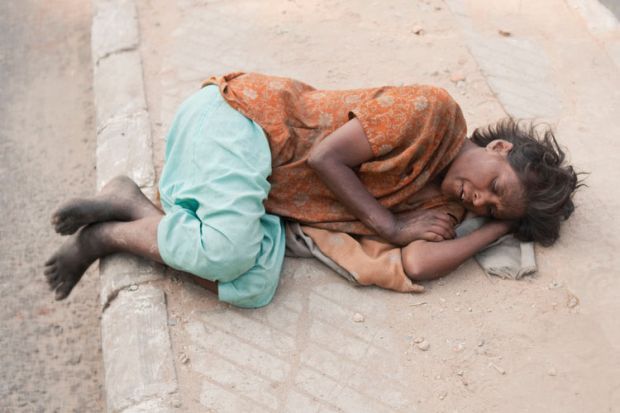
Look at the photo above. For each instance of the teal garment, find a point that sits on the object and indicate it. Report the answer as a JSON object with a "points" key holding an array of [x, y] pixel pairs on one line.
{"points": [[212, 189]]}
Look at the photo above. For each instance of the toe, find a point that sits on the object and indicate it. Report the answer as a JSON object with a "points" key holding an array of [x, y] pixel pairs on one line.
{"points": [[65, 229], [49, 270], [53, 279], [50, 261], [64, 290]]}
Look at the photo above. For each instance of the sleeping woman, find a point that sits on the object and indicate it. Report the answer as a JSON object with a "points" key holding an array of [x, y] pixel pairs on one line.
{"points": [[249, 151]]}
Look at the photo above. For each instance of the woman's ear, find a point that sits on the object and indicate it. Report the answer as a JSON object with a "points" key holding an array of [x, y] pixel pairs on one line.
{"points": [[500, 146]]}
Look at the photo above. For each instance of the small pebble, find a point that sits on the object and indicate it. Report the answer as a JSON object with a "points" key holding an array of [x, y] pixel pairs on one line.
{"points": [[572, 301], [418, 340], [443, 395], [172, 322], [504, 33], [424, 345], [419, 30], [481, 343], [358, 318], [499, 369], [133, 287], [457, 77], [460, 373], [552, 372], [184, 358]]}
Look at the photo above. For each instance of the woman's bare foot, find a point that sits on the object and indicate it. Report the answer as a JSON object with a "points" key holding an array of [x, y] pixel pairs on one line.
{"points": [[66, 267], [119, 200]]}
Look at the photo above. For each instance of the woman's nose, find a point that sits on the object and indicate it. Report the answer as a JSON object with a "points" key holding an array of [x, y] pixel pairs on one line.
{"points": [[479, 198]]}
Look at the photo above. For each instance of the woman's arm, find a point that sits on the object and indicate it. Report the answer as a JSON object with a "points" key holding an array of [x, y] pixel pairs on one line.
{"points": [[333, 160], [425, 261]]}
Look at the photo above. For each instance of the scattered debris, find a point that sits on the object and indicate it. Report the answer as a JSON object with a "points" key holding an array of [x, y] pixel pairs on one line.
{"points": [[554, 284], [417, 30], [358, 318], [417, 304], [504, 33], [184, 358], [75, 360], [481, 343], [418, 340], [133, 287], [443, 395], [424, 345], [460, 373], [498, 368]]}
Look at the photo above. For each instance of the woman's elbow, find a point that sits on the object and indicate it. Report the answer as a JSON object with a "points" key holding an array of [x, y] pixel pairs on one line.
{"points": [[416, 264], [316, 158]]}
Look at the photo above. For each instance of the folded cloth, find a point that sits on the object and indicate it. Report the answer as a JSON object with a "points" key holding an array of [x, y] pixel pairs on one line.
{"points": [[368, 260], [506, 258]]}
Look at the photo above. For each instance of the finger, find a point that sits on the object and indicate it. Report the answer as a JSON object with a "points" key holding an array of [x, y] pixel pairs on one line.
{"points": [[432, 236], [445, 233], [414, 288], [443, 217]]}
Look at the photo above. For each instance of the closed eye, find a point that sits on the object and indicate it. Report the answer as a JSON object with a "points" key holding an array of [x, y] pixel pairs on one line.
{"points": [[490, 212], [494, 186]]}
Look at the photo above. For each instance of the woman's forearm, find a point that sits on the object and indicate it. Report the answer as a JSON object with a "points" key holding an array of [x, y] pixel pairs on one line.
{"points": [[350, 191], [424, 260]]}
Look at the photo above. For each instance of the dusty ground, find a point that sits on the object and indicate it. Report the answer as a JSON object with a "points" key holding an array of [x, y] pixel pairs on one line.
{"points": [[50, 358], [543, 344]]}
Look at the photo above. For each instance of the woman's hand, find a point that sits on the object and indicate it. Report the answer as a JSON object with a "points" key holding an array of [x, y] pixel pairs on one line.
{"points": [[425, 225]]}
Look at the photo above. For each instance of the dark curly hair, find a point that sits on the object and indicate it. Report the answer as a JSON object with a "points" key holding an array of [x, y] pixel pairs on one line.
{"points": [[549, 183]]}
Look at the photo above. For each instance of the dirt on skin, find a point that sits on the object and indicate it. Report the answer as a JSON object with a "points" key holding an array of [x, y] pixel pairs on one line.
{"points": [[51, 351]]}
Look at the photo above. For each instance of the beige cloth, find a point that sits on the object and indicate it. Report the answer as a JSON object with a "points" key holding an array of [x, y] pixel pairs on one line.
{"points": [[367, 260]]}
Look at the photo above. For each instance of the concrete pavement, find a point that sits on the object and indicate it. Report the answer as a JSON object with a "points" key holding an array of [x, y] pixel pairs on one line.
{"points": [[549, 343]]}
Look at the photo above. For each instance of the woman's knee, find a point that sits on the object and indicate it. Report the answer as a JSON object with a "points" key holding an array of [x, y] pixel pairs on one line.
{"points": [[227, 258]]}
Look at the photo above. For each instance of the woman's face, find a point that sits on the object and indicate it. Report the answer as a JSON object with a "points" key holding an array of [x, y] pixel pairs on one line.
{"points": [[484, 182]]}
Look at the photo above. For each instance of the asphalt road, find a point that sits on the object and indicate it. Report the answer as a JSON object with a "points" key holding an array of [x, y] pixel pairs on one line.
{"points": [[50, 352]]}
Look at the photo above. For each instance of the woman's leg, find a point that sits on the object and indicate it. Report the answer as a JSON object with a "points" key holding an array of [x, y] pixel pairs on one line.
{"points": [[65, 268], [119, 200]]}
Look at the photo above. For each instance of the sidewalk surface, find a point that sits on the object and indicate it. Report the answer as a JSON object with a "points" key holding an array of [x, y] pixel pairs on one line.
{"points": [[550, 343]]}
